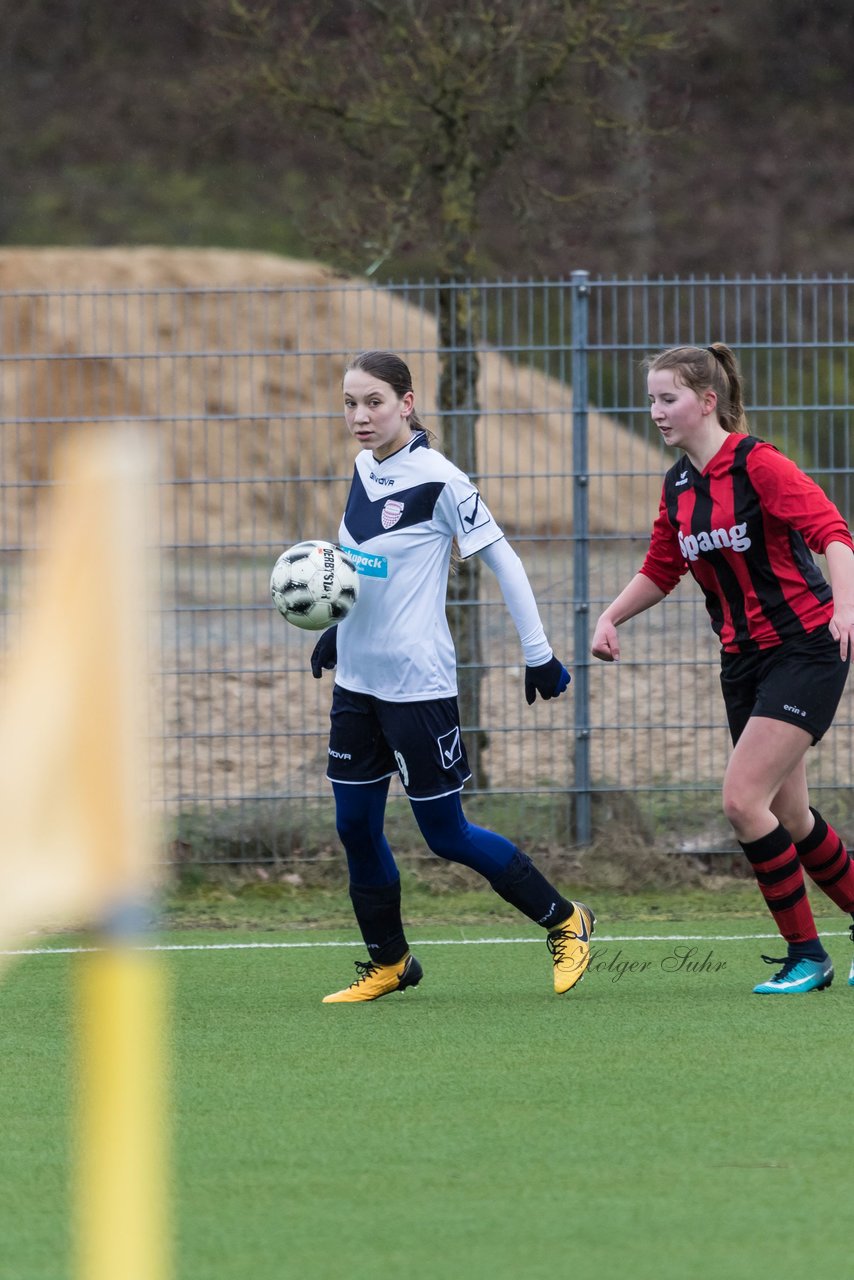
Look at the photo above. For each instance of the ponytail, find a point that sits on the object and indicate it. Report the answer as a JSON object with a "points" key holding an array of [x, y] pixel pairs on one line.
{"points": [[731, 413]]}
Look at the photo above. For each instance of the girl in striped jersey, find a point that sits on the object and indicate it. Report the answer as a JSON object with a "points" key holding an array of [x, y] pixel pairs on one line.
{"points": [[744, 520]]}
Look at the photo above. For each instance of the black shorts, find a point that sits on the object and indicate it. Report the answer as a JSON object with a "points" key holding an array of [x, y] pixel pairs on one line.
{"points": [[370, 739], [800, 681]]}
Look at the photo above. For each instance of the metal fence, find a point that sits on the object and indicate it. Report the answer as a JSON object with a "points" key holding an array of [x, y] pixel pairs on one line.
{"points": [[239, 388]]}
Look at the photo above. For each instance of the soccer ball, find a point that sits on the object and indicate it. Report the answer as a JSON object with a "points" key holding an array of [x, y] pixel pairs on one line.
{"points": [[314, 585]]}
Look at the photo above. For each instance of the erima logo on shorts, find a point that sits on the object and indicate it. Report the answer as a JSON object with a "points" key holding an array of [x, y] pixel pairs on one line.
{"points": [[370, 566], [691, 545]]}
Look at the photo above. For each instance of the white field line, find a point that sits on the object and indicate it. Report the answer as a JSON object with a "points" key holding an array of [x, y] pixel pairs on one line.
{"points": [[421, 942]]}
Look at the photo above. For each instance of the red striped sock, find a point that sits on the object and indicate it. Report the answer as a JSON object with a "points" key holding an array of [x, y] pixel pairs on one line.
{"points": [[828, 863], [778, 872]]}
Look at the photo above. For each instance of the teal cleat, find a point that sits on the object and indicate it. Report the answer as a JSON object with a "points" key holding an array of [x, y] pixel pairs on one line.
{"points": [[796, 977]]}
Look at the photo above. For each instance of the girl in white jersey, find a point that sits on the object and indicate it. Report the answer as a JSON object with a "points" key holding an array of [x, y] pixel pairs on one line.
{"points": [[394, 704]]}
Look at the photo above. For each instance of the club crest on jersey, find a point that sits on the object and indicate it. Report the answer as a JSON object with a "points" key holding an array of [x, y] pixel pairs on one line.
{"points": [[391, 513]]}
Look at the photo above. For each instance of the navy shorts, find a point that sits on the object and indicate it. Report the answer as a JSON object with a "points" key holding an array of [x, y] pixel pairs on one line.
{"points": [[800, 681], [370, 739]]}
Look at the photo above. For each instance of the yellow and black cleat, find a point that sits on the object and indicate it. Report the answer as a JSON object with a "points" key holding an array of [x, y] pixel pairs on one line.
{"points": [[569, 944], [375, 980]]}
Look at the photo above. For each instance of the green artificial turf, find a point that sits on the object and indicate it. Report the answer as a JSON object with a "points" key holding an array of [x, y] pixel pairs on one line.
{"points": [[659, 1122]]}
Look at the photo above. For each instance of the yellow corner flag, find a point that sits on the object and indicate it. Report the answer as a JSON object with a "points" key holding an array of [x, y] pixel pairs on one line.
{"points": [[72, 757], [77, 845]]}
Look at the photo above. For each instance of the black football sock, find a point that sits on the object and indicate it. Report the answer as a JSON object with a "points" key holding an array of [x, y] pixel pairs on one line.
{"points": [[807, 950], [527, 889], [377, 909]]}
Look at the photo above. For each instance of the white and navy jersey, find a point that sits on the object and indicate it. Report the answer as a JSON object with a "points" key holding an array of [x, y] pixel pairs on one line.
{"points": [[401, 518]]}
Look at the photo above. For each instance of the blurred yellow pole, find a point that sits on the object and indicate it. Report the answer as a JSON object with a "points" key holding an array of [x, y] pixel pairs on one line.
{"points": [[124, 1232]]}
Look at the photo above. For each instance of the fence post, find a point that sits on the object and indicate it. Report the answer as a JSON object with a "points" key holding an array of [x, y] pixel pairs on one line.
{"points": [[581, 555]]}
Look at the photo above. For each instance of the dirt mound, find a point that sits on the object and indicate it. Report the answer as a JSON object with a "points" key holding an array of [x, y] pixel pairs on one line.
{"points": [[234, 360]]}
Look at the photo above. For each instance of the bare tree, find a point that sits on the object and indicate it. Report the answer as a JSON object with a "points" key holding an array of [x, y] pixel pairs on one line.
{"points": [[416, 108]]}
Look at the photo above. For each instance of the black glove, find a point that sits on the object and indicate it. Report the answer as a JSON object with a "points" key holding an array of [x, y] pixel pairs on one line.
{"points": [[549, 680], [324, 655]]}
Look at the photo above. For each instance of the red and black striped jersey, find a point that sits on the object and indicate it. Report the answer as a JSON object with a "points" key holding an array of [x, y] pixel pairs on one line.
{"points": [[745, 527]]}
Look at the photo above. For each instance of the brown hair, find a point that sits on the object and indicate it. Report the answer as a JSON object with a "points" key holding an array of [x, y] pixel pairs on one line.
{"points": [[704, 368], [389, 368]]}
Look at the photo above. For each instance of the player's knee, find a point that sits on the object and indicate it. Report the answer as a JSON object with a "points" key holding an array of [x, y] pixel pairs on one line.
{"points": [[446, 838], [739, 807], [445, 845], [353, 830], [346, 828], [733, 814]]}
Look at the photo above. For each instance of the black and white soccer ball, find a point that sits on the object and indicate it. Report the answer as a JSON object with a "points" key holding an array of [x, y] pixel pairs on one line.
{"points": [[314, 585]]}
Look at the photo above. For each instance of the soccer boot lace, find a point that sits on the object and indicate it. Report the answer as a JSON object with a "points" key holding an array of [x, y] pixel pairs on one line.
{"points": [[569, 945], [375, 980], [797, 976], [851, 974]]}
